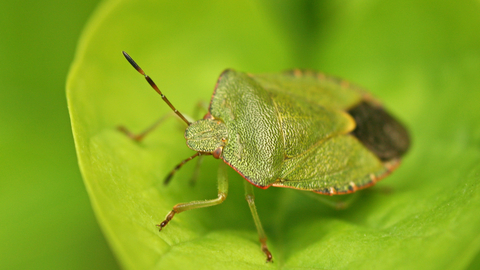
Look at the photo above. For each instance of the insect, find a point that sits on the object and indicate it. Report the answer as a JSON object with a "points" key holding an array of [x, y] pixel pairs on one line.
{"points": [[300, 129]]}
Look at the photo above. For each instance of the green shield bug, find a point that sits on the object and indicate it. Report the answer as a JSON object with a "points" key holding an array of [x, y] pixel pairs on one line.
{"points": [[300, 129]]}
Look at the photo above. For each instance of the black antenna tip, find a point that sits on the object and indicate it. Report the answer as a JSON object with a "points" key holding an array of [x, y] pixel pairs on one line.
{"points": [[130, 60]]}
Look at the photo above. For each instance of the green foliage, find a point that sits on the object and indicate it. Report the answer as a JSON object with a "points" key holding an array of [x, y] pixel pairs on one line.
{"points": [[46, 218], [420, 57]]}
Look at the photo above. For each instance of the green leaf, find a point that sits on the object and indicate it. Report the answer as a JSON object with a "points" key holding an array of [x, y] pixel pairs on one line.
{"points": [[421, 57]]}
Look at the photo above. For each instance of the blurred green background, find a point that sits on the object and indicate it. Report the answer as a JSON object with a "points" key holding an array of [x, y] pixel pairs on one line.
{"points": [[431, 52], [46, 218]]}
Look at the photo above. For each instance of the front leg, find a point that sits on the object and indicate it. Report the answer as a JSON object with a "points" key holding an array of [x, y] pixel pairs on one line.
{"points": [[222, 195]]}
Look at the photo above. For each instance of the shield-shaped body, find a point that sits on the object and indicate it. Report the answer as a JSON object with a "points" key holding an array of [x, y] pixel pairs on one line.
{"points": [[300, 130]]}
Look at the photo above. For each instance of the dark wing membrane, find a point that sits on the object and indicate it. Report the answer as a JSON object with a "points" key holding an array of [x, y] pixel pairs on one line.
{"points": [[379, 131]]}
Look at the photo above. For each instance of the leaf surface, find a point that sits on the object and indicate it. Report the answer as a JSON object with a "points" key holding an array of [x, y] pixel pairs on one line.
{"points": [[422, 58]]}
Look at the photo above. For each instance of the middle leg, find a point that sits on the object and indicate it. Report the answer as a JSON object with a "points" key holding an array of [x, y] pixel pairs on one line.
{"points": [[250, 197]]}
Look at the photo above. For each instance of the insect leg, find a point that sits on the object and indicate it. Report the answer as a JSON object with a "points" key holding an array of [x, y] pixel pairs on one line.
{"points": [[222, 195], [139, 137], [261, 233]]}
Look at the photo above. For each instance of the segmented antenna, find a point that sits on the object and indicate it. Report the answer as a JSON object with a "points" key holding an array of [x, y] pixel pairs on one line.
{"points": [[170, 175], [154, 86]]}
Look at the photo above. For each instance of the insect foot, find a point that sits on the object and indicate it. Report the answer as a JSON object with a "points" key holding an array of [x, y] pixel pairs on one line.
{"points": [[267, 252], [165, 222]]}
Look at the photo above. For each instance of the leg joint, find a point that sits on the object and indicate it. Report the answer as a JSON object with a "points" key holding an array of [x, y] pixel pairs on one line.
{"points": [[222, 196]]}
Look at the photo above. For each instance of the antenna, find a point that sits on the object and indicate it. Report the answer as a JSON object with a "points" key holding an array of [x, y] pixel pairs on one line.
{"points": [[154, 86], [170, 175]]}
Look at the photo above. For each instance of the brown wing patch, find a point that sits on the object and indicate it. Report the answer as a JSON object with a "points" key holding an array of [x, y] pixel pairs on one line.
{"points": [[382, 134]]}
